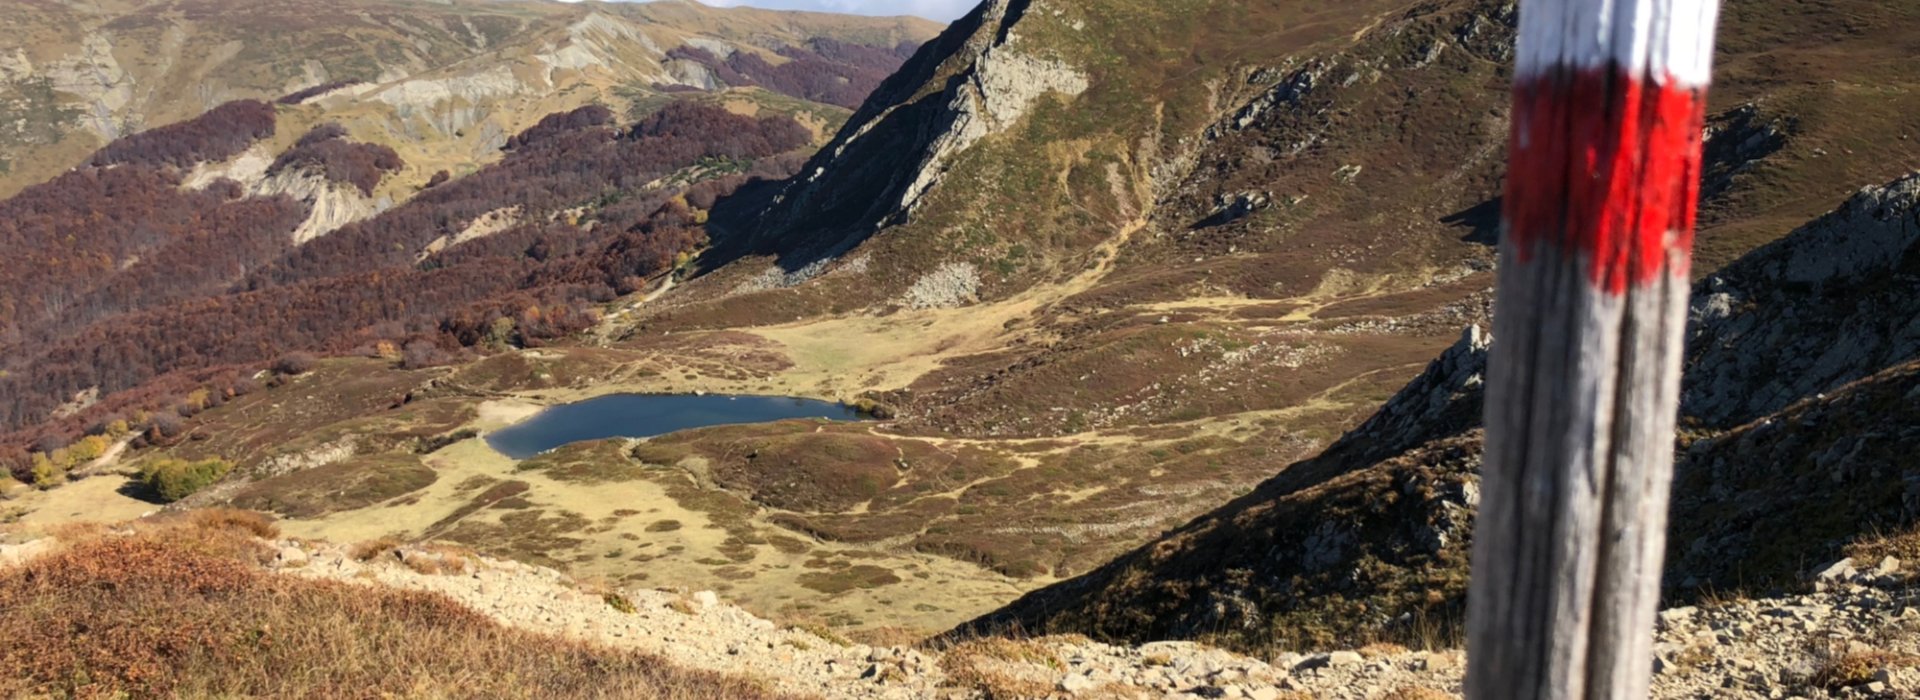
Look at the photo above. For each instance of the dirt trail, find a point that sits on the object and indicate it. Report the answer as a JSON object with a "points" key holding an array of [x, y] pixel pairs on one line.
{"points": [[844, 356], [107, 459]]}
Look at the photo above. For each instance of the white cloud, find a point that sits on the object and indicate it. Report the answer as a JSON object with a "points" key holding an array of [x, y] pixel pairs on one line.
{"points": [[942, 10]]}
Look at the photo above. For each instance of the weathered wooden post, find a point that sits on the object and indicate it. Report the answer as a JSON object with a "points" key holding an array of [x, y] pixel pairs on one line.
{"points": [[1609, 100]]}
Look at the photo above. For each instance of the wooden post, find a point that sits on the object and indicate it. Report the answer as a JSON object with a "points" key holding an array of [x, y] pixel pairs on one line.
{"points": [[1583, 385]]}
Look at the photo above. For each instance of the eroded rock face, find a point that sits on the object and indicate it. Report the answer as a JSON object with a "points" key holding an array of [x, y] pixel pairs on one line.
{"points": [[899, 146], [1835, 301], [1752, 506], [331, 205], [1003, 85]]}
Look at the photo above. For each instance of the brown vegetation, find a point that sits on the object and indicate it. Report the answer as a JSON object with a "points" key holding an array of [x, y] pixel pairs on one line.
{"points": [[592, 229], [182, 608], [825, 70], [221, 133], [327, 151]]}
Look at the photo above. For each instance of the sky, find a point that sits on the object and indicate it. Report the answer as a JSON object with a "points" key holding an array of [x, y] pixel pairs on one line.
{"points": [[942, 10]]}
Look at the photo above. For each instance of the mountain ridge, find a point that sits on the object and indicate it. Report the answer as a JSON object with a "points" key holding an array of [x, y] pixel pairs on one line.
{"points": [[459, 75]]}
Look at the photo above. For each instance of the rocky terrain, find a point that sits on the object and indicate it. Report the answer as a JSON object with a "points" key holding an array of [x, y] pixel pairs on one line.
{"points": [[1859, 637]]}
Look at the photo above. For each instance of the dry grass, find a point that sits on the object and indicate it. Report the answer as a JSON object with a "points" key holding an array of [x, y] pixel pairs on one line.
{"points": [[180, 607], [1719, 599], [816, 626], [1858, 667], [228, 520], [684, 605], [435, 559], [1379, 650], [1002, 668], [1698, 654], [1840, 662], [1869, 549], [887, 636], [1414, 692], [375, 548]]}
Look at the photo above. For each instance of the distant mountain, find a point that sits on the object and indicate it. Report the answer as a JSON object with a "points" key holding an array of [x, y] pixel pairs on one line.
{"points": [[443, 82], [365, 150]]}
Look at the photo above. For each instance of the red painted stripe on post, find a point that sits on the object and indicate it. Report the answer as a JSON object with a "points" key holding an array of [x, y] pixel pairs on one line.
{"points": [[1606, 166]]}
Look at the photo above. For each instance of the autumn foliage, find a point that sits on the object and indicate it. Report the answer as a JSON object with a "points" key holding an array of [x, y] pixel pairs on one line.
{"points": [[221, 133], [128, 284], [327, 151], [829, 71]]}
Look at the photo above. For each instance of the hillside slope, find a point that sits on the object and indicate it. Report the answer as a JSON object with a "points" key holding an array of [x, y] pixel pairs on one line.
{"points": [[413, 619], [444, 82], [1371, 538], [176, 230]]}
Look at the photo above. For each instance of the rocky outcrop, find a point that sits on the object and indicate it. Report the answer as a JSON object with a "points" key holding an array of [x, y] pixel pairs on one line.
{"points": [[1829, 304], [1368, 539], [249, 169], [976, 80], [953, 284], [1443, 401], [105, 88], [330, 205], [452, 103]]}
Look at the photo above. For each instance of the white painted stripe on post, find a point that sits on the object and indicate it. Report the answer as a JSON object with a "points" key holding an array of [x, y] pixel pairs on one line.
{"points": [[1664, 40]]}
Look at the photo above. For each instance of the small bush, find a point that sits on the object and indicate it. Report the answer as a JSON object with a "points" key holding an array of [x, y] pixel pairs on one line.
{"points": [[684, 606], [295, 363], [421, 354], [229, 519], [169, 425], [45, 474], [1858, 668], [620, 603], [373, 549], [174, 479]]}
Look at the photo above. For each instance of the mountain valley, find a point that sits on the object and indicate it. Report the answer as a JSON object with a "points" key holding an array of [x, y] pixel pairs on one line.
{"points": [[1167, 316]]}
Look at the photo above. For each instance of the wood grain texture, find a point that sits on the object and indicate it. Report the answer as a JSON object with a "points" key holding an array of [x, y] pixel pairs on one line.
{"points": [[1583, 378]]}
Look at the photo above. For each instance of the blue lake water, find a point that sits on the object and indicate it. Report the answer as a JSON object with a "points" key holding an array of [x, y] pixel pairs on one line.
{"points": [[647, 415]]}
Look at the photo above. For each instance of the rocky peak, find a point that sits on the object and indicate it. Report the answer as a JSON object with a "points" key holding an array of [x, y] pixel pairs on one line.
{"points": [[976, 80]]}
